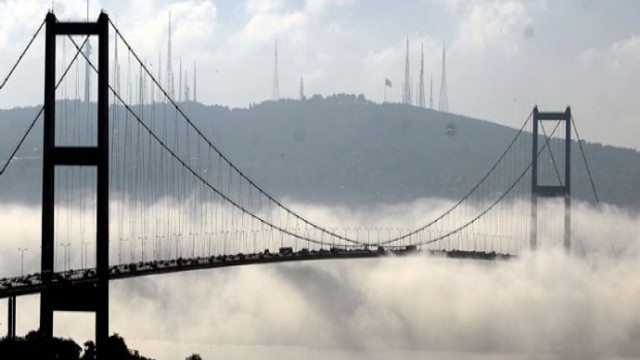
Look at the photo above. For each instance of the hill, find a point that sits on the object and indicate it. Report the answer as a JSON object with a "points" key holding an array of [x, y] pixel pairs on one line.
{"points": [[346, 150]]}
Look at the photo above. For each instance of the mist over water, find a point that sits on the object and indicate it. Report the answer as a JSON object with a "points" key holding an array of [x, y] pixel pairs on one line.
{"points": [[539, 305]]}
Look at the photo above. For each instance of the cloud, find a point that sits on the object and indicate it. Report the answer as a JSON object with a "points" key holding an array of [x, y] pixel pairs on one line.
{"points": [[270, 19], [628, 47], [267, 26], [588, 56], [319, 6], [545, 305], [232, 44], [193, 25], [492, 25], [542, 304], [594, 232], [18, 21], [451, 5], [259, 6], [267, 20], [617, 60]]}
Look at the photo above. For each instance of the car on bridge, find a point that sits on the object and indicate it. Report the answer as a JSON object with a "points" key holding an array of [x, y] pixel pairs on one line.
{"points": [[286, 250]]}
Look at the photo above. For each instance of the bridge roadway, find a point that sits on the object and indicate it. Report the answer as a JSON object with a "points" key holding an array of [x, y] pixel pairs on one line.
{"points": [[32, 284]]}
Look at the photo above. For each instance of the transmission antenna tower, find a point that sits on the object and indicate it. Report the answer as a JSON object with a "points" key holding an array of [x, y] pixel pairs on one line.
{"points": [[169, 64], [421, 102], [444, 98], [406, 92]]}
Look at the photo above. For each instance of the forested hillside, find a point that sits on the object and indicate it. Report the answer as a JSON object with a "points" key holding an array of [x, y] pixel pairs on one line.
{"points": [[346, 150]]}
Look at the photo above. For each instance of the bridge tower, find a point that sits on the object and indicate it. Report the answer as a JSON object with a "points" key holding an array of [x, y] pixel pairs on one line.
{"points": [[564, 189], [94, 296], [11, 318]]}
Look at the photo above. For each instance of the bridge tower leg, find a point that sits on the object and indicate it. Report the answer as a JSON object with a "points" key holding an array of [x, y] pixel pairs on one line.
{"points": [[92, 297], [564, 189], [11, 318]]}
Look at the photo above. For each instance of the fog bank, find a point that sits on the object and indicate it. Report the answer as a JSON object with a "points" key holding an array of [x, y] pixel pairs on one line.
{"points": [[540, 305]]}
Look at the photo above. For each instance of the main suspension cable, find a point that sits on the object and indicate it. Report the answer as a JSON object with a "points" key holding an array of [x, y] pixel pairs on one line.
{"points": [[198, 176], [553, 159], [33, 122], [224, 157], [6, 79], [271, 198], [593, 185], [496, 202], [586, 163], [467, 195]]}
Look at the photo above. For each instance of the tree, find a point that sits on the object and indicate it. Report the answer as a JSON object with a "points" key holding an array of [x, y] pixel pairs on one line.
{"points": [[35, 346], [194, 357], [89, 351]]}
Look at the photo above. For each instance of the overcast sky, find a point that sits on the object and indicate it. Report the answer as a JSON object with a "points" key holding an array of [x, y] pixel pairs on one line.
{"points": [[502, 56]]}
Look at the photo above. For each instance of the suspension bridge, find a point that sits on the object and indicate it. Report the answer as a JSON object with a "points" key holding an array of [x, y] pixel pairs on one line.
{"points": [[139, 189]]}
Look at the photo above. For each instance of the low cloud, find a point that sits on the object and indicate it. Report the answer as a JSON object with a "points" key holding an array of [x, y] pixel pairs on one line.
{"points": [[538, 304], [492, 25], [267, 26], [630, 46], [543, 304]]}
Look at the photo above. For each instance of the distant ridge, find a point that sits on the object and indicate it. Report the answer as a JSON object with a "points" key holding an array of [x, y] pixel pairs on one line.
{"points": [[346, 150]]}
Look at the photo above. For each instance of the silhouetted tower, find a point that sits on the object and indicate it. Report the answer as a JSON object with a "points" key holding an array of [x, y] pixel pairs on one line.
{"points": [[92, 296], [431, 94], [444, 98], [563, 189], [275, 92], [195, 83], [421, 102], [11, 324], [406, 92], [169, 64], [302, 89]]}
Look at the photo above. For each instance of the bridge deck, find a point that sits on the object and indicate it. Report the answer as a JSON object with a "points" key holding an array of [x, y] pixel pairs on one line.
{"points": [[32, 284]]}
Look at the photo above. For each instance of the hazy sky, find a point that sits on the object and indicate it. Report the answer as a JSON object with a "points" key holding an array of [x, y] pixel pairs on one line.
{"points": [[503, 56]]}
